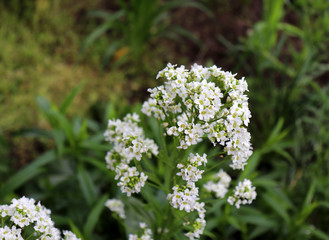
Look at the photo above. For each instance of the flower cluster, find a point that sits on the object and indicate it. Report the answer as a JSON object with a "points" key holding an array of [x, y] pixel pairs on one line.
{"points": [[116, 206], [192, 105], [129, 144], [203, 102], [23, 213], [219, 184], [244, 193], [146, 235], [186, 197]]}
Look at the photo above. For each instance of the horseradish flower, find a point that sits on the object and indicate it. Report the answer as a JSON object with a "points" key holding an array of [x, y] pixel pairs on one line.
{"points": [[116, 206], [23, 213], [219, 185], [68, 235], [244, 193], [203, 102], [129, 144], [131, 181], [190, 171]]}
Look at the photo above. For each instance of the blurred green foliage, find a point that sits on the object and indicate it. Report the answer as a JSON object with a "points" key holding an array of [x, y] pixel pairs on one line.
{"points": [[135, 26], [283, 57]]}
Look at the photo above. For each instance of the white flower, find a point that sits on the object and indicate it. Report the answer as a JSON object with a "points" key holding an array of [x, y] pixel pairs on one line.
{"points": [[214, 105], [117, 206], [24, 212], [244, 193], [12, 233], [131, 181], [129, 144], [68, 235], [219, 185]]}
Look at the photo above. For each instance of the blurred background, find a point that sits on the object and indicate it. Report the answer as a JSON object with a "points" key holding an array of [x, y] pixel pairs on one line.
{"points": [[67, 66]]}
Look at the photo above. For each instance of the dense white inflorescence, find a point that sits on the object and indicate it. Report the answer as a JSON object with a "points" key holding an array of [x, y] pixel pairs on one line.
{"points": [[244, 193], [185, 198], [203, 102], [192, 105], [23, 213], [129, 144]]}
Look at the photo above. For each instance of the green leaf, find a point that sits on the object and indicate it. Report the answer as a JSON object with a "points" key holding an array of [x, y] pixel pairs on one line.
{"points": [[86, 184], [68, 100], [75, 229], [98, 164], [110, 51], [258, 231], [317, 233], [93, 217], [66, 127], [253, 162], [110, 23], [59, 138], [291, 30], [277, 206], [264, 182], [310, 195], [234, 222], [46, 109], [20, 178]]}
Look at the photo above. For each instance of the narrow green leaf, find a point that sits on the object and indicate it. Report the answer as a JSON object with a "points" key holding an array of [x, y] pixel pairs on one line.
{"points": [[318, 233], [253, 162], [277, 206], [59, 138], [109, 53], [66, 127], [310, 195], [94, 217], [68, 100], [291, 30], [27, 173], [86, 184], [234, 222], [75, 230], [96, 163], [259, 230], [110, 23]]}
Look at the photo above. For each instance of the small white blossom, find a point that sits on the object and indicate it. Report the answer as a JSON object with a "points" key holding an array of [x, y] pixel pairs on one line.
{"points": [[117, 206], [244, 193], [68, 235]]}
